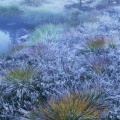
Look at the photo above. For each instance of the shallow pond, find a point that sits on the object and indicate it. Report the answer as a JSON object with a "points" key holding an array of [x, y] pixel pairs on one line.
{"points": [[4, 42], [13, 34]]}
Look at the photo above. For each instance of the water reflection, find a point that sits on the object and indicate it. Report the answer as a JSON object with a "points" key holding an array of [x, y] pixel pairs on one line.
{"points": [[4, 42], [13, 35]]}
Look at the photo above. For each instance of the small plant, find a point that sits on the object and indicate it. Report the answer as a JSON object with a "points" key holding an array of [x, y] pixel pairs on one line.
{"points": [[112, 44], [15, 48], [97, 44], [99, 65], [73, 107]]}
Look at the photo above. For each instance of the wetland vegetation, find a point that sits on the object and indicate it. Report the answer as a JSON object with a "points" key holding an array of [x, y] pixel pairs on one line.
{"points": [[59, 60]]}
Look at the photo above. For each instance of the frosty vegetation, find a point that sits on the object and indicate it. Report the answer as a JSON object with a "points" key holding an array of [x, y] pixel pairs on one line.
{"points": [[69, 66]]}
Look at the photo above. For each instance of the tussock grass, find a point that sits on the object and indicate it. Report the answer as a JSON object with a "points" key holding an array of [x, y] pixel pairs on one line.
{"points": [[20, 75], [96, 44], [48, 32], [73, 106]]}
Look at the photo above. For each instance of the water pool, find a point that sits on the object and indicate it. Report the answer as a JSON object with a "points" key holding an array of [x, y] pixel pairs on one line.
{"points": [[13, 34]]}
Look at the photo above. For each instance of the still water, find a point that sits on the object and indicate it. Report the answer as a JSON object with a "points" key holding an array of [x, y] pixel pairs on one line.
{"points": [[4, 42], [13, 34]]}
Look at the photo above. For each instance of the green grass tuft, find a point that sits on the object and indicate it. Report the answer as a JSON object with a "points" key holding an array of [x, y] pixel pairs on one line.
{"points": [[21, 75], [96, 44], [73, 107], [48, 32]]}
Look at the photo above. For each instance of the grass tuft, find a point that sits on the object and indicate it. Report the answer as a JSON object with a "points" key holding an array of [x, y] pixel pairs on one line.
{"points": [[20, 75], [15, 48], [73, 107], [96, 44], [48, 32]]}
